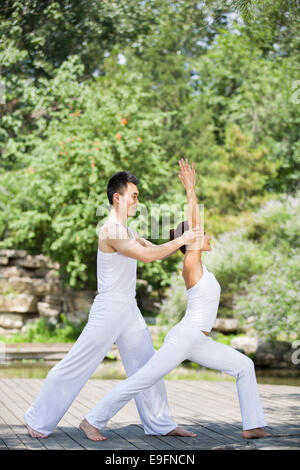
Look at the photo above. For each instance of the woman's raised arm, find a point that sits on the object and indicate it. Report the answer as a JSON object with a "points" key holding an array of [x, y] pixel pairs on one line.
{"points": [[187, 176]]}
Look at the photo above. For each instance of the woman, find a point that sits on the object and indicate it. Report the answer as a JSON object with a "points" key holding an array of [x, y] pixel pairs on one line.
{"points": [[189, 339]]}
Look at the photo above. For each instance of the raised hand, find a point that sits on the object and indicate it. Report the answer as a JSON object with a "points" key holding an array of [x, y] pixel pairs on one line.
{"points": [[187, 174]]}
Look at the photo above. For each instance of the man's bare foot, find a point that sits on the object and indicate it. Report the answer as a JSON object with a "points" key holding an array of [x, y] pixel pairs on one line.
{"points": [[91, 432], [181, 432], [34, 433], [254, 433]]}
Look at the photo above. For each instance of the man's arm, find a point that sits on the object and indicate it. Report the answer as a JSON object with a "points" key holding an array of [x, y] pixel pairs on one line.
{"points": [[145, 242], [118, 239]]}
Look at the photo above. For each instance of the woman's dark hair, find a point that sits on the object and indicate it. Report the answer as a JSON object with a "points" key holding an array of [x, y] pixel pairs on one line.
{"points": [[118, 183], [182, 227]]}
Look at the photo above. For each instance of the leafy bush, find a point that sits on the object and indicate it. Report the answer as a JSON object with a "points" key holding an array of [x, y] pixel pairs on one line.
{"points": [[278, 222], [85, 131], [43, 331], [272, 304]]}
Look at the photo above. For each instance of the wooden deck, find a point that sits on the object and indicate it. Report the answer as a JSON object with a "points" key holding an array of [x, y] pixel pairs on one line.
{"points": [[210, 409]]}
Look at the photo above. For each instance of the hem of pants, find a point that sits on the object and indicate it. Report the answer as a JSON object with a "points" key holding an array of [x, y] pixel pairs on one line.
{"points": [[166, 431], [259, 424], [27, 421], [89, 420]]}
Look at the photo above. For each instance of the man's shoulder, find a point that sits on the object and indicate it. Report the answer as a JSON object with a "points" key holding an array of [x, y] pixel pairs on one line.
{"points": [[112, 230]]}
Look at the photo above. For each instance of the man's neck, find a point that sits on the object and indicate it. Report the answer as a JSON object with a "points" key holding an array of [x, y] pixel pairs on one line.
{"points": [[121, 218]]}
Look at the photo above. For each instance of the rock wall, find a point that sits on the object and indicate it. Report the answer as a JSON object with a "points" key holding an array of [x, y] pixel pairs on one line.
{"points": [[30, 287]]}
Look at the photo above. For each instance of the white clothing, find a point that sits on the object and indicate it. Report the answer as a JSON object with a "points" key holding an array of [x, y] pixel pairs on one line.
{"points": [[117, 275], [113, 317], [186, 341], [203, 301]]}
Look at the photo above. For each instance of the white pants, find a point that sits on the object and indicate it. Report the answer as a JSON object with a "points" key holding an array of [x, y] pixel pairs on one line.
{"points": [[186, 341], [110, 321]]}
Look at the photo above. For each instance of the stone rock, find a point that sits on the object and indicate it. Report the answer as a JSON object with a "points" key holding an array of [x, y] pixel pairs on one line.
{"points": [[47, 310], [52, 274], [3, 260], [226, 325], [245, 344], [53, 300], [12, 271], [13, 253], [141, 283], [43, 273], [8, 331], [11, 320], [37, 261], [20, 303], [78, 302], [36, 287], [28, 323]]}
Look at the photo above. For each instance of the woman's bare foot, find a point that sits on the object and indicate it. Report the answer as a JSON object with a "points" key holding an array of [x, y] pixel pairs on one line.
{"points": [[34, 433], [181, 432], [91, 432], [254, 433]]}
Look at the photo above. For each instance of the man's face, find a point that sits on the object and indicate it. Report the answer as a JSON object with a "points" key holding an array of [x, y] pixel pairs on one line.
{"points": [[128, 202]]}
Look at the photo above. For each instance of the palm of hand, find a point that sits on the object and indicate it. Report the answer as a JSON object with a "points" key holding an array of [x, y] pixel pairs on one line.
{"points": [[187, 174]]}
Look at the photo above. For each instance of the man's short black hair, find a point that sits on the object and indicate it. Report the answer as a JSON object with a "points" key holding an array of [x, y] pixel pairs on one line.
{"points": [[118, 183]]}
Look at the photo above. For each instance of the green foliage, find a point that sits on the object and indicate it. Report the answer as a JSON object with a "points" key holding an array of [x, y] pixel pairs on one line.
{"points": [[277, 223], [50, 201], [196, 83], [43, 331], [258, 268], [271, 303]]}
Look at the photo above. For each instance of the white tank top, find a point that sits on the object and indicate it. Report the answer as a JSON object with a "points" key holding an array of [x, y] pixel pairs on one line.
{"points": [[203, 301], [116, 274]]}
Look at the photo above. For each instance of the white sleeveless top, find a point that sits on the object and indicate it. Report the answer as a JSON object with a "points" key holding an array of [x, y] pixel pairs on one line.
{"points": [[116, 274], [203, 301]]}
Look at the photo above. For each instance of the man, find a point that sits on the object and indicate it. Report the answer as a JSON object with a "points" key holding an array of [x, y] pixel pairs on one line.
{"points": [[114, 318]]}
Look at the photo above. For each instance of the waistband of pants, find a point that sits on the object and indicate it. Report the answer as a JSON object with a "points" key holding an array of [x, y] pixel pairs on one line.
{"points": [[196, 322]]}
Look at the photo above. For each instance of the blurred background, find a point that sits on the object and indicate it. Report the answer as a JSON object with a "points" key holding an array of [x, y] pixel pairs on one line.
{"points": [[92, 88]]}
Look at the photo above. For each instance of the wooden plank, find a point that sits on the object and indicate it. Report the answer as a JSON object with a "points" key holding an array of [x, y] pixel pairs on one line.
{"points": [[190, 407], [58, 440], [9, 438], [207, 408], [179, 442], [67, 433], [287, 428], [15, 402], [60, 437], [2, 445], [280, 411]]}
